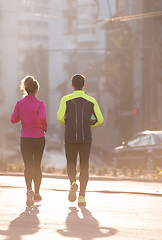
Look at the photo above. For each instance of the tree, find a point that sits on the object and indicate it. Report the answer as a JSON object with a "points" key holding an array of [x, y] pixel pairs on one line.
{"points": [[119, 67]]}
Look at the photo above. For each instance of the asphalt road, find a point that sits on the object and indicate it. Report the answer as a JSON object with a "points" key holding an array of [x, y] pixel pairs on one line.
{"points": [[116, 210]]}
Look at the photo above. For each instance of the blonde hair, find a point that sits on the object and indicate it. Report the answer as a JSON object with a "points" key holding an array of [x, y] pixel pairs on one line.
{"points": [[29, 85]]}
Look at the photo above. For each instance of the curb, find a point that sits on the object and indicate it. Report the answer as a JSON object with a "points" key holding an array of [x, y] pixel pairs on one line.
{"points": [[96, 178], [92, 178]]}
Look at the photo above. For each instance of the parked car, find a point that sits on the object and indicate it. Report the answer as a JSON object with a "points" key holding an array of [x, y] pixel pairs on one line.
{"points": [[143, 150]]}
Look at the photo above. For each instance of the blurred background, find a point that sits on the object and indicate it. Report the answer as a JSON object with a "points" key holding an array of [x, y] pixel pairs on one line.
{"points": [[116, 44]]}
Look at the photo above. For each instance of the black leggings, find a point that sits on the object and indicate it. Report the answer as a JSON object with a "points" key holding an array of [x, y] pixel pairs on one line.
{"points": [[32, 151], [71, 151]]}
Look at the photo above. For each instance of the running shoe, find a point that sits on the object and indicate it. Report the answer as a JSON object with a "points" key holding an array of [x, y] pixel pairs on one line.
{"points": [[37, 197], [81, 201], [30, 196], [72, 192]]}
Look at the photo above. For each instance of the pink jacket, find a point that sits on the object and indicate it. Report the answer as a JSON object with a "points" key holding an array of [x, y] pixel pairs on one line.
{"points": [[32, 114]]}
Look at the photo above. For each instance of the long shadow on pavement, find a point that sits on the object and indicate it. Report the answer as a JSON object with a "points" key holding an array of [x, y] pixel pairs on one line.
{"points": [[85, 228], [26, 224]]}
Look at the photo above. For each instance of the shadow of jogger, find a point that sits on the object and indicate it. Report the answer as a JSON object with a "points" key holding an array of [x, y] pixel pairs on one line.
{"points": [[26, 224], [85, 228]]}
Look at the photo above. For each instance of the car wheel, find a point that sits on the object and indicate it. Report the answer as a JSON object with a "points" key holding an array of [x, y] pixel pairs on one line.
{"points": [[150, 164], [113, 161]]}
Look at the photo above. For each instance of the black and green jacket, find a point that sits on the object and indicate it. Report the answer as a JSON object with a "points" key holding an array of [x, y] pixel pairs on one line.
{"points": [[78, 112]]}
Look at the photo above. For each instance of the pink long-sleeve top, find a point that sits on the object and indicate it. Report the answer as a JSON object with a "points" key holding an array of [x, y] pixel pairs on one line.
{"points": [[32, 114]]}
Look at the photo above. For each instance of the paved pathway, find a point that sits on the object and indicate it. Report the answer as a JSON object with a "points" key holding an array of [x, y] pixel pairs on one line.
{"points": [[112, 211]]}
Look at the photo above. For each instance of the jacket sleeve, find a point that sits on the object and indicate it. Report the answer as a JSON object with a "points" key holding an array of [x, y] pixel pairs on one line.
{"points": [[61, 112], [15, 115], [97, 114], [43, 117]]}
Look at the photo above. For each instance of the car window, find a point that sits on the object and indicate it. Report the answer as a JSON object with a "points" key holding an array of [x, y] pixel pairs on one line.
{"points": [[152, 140], [142, 140], [134, 141], [145, 140]]}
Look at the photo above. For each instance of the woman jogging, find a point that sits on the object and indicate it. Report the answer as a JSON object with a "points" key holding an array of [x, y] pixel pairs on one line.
{"points": [[32, 114]]}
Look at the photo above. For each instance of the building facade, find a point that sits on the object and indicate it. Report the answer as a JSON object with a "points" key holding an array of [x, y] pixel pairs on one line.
{"points": [[134, 67], [152, 67], [8, 53], [24, 28]]}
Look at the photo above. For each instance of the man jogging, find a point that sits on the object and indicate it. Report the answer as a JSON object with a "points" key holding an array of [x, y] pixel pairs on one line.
{"points": [[78, 111]]}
